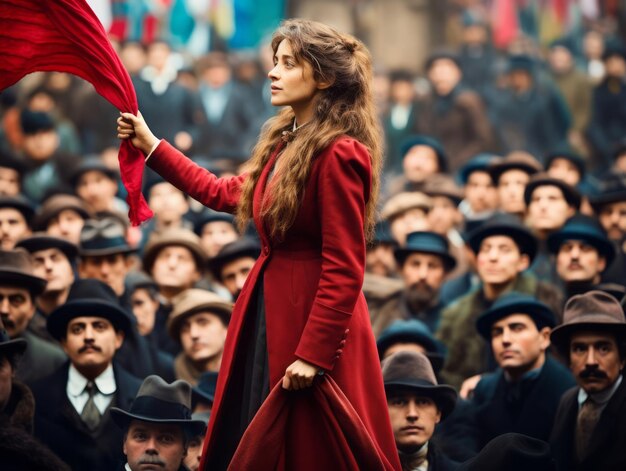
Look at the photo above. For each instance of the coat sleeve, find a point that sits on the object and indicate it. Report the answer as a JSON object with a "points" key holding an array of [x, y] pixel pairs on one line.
{"points": [[343, 188], [220, 194]]}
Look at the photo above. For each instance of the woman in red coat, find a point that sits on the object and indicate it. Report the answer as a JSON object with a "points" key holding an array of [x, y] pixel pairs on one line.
{"points": [[310, 188]]}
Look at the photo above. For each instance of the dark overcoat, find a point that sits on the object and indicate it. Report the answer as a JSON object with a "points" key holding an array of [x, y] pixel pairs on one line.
{"points": [[315, 309], [59, 426], [607, 450]]}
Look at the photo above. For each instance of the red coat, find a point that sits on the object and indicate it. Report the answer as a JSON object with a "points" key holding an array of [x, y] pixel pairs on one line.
{"points": [[314, 306]]}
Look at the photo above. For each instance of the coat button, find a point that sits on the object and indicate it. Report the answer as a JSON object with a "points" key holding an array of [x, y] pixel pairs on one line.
{"points": [[342, 343]]}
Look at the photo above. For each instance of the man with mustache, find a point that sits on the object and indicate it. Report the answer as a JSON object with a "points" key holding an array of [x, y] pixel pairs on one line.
{"points": [[158, 426], [589, 430], [424, 261], [523, 393], [233, 262], [416, 403], [72, 413]]}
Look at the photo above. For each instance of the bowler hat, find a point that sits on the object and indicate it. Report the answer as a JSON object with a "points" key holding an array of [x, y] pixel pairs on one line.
{"points": [[516, 160], [434, 144], [8, 160], [240, 248], [571, 194], [568, 155], [513, 452], [10, 347], [521, 62], [92, 164], [19, 203], [33, 122], [54, 205], [205, 389], [161, 403], [478, 163], [16, 269], [93, 298], [402, 202], [42, 241], [612, 189], [443, 185], [506, 225], [586, 229], [103, 237], [413, 371], [178, 237], [382, 234], [413, 331], [208, 217], [192, 301], [593, 310], [137, 280], [514, 303], [425, 242]]}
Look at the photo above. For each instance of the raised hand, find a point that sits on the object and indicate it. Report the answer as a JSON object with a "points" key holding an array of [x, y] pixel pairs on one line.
{"points": [[135, 128]]}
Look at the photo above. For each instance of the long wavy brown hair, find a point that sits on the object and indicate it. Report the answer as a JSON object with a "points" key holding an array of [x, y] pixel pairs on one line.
{"points": [[345, 108]]}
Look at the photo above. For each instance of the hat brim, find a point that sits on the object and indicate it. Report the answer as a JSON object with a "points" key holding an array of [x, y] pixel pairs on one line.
{"points": [[401, 253], [60, 317], [540, 315], [107, 251], [196, 250], [444, 396], [37, 243], [603, 245], [223, 310], [600, 200], [13, 347], [217, 263], [559, 337], [523, 239], [34, 284], [122, 419], [571, 195]]}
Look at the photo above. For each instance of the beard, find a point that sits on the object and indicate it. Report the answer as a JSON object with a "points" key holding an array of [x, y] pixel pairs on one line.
{"points": [[420, 297]]}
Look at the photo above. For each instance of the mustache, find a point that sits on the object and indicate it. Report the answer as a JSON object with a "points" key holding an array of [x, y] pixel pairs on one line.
{"points": [[8, 323], [592, 373], [150, 459], [89, 346]]}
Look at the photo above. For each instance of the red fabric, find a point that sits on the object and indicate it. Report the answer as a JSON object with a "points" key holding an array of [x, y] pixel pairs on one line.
{"points": [[314, 307], [505, 22], [66, 36], [348, 446]]}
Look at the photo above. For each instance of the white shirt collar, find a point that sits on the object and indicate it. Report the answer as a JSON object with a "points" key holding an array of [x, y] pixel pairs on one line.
{"points": [[601, 397], [76, 382]]}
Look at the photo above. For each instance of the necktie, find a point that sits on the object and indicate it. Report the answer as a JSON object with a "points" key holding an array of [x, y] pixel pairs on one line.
{"points": [[588, 416], [91, 414]]}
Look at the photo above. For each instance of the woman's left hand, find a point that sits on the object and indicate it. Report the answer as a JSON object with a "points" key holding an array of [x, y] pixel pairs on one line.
{"points": [[299, 375]]}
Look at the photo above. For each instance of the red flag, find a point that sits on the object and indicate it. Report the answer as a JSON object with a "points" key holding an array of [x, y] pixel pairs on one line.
{"points": [[505, 22], [66, 36]]}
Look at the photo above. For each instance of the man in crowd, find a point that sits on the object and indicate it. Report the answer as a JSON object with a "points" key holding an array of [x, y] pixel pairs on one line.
{"points": [[15, 217], [407, 212], [72, 404], [416, 403], [523, 393], [96, 185], [157, 426], [481, 196], [590, 426], [215, 230], [199, 322], [62, 216], [424, 262], [233, 262]]}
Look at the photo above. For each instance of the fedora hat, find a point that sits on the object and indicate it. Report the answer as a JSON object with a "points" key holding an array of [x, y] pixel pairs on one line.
{"points": [[92, 164], [506, 225], [612, 189], [161, 403], [240, 248], [586, 229], [570, 156], [413, 371], [382, 234], [207, 217], [518, 160], [20, 204], [194, 300], [514, 303], [16, 269], [443, 185], [42, 241], [413, 331], [89, 297], [179, 237], [425, 242], [571, 194], [593, 310], [54, 205], [103, 237], [402, 202]]}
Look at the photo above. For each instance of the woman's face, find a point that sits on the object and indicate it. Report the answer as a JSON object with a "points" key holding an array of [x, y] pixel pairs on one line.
{"points": [[293, 83]]}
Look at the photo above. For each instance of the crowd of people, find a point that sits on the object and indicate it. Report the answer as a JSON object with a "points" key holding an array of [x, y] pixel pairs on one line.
{"points": [[495, 280]]}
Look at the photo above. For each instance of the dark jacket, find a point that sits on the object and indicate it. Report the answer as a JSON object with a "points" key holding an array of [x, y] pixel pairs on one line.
{"points": [[59, 426], [607, 450], [40, 359], [396, 308], [496, 408], [20, 408]]}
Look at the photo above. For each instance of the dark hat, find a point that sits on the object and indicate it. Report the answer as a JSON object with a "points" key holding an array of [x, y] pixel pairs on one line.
{"points": [[518, 160], [10, 347], [521, 62], [441, 54], [137, 280], [413, 331], [161, 403], [614, 48], [568, 155], [382, 233], [571, 194], [89, 297], [16, 269], [8, 160], [443, 185], [413, 371], [514, 303], [19, 203], [513, 452], [42, 241], [103, 237], [54, 205], [593, 310], [240, 248], [506, 225], [192, 301], [178, 237], [205, 390], [612, 190], [425, 242], [33, 122], [587, 229], [90, 164], [478, 163], [208, 217], [434, 144]]}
